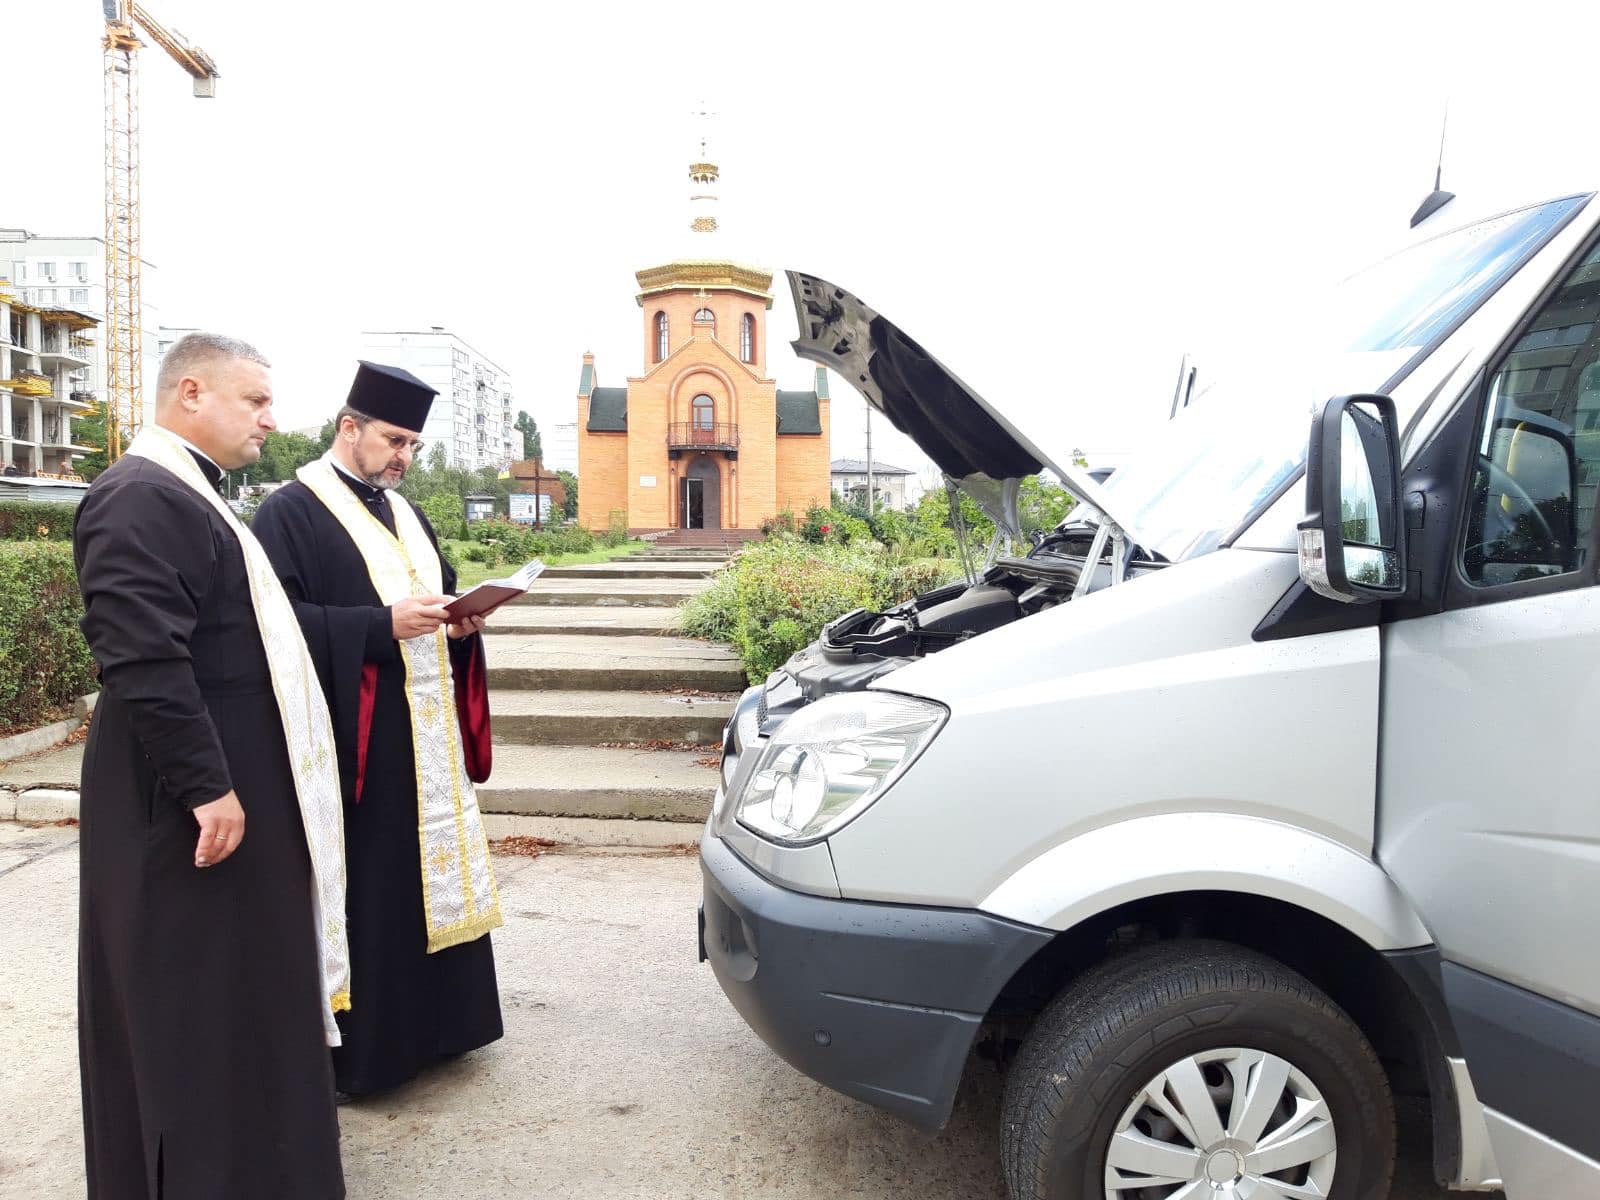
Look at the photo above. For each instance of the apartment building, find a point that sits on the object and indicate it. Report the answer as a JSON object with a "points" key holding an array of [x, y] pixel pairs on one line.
{"points": [[472, 417]]}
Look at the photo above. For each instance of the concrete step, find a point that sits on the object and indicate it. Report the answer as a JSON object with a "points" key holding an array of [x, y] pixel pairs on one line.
{"points": [[615, 621], [587, 718], [581, 781], [627, 569], [545, 781], [575, 662], [586, 593], [714, 557]]}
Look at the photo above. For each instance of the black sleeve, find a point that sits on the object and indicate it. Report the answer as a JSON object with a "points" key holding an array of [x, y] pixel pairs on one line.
{"points": [[145, 559]]}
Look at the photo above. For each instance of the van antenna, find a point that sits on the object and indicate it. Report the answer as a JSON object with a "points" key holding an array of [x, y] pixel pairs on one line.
{"points": [[1437, 198]]}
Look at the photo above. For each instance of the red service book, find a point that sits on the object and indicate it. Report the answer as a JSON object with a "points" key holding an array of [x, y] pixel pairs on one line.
{"points": [[492, 593]]}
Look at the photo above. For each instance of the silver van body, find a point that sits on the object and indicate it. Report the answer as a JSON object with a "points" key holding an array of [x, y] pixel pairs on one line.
{"points": [[1268, 763]]}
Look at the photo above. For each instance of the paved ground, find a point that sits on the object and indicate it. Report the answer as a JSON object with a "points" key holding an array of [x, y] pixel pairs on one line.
{"points": [[624, 1072]]}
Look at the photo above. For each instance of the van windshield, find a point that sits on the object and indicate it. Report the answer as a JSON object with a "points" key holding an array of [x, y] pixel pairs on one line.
{"points": [[1210, 467]]}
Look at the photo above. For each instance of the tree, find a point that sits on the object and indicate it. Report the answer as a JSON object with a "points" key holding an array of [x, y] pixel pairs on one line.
{"points": [[532, 444], [570, 482], [282, 454], [325, 438], [91, 431]]}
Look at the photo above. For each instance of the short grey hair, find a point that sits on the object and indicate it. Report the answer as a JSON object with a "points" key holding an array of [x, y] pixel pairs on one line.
{"points": [[355, 414], [195, 350]]}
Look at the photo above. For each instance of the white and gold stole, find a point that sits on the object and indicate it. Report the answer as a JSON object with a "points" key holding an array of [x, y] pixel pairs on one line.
{"points": [[307, 731], [459, 899]]}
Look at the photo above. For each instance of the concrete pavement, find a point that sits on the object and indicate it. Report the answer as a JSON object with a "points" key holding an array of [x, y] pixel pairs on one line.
{"points": [[624, 1072]]}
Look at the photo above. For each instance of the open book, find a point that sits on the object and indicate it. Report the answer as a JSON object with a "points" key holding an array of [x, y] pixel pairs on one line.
{"points": [[492, 593]]}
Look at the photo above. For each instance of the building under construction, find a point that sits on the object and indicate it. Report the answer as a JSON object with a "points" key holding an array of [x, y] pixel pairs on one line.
{"points": [[69, 272], [45, 353]]}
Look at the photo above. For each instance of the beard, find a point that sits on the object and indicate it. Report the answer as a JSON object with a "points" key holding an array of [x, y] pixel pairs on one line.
{"points": [[378, 479]]}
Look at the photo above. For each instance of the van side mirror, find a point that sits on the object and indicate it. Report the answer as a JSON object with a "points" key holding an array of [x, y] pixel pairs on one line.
{"points": [[1352, 543]]}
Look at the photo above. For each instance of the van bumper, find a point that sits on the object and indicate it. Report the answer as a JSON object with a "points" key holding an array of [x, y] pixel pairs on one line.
{"points": [[878, 1001]]}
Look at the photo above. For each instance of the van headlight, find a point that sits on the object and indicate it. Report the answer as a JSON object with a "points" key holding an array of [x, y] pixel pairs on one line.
{"points": [[830, 760]]}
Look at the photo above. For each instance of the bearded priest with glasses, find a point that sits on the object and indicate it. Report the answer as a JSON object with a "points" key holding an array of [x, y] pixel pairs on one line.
{"points": [[408, 693]]}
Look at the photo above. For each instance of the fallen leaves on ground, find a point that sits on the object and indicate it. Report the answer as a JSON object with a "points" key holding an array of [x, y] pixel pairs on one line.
{"points": [[696, 693], [658, 744], [713, 761], [523, 844]]}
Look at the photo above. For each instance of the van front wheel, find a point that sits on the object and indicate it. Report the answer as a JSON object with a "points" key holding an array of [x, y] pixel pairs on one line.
{"points": [[1196, 1069]]}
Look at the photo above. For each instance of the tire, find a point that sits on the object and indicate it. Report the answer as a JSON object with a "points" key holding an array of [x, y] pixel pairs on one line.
{"points": [[1219, 1018]]}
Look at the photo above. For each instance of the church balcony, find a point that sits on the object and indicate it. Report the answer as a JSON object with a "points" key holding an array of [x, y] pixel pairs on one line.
{"points": [[697, 435]]}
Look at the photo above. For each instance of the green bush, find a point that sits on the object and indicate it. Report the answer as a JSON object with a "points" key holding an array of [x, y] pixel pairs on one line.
{"points": [[501, 541], [781, 522], [712, 613], [24, 521], [447, 515], [777, 595], [617, 532], [44, 661], [890, 526]]}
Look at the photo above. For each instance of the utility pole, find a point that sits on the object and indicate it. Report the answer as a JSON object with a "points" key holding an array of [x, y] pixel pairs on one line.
{"points": [[871, 504]]}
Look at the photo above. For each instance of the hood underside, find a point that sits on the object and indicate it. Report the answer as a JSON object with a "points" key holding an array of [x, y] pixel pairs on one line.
{"points": [[971, 442]]}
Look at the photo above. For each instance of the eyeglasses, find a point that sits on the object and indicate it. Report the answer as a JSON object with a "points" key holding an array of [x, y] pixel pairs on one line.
{"points": [[399, 441]]}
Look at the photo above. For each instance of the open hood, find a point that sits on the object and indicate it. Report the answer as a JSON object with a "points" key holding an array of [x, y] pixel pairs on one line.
{"points": [[972, 443]]}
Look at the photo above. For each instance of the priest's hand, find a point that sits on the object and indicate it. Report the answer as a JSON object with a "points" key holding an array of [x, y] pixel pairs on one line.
{"points": [[418, 615], [221, 830], [466, 627]]}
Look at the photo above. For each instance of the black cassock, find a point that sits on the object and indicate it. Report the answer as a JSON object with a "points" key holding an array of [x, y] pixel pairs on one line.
{"points": [[409, 1008], [204, 1064]]}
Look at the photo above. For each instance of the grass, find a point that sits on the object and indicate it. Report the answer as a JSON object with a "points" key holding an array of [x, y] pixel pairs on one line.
{"points": [[472, 573]]}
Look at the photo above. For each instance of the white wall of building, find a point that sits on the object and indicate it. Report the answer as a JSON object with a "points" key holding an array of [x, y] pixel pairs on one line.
{"points": [[473, 414]]}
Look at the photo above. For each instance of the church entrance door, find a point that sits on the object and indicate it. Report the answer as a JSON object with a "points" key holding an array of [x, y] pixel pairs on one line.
{"points": [[701, 506], [694, 509]]}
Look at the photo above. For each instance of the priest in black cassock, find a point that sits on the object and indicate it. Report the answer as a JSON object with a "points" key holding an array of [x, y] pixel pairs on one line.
{"points": [[211, 952], [410, 714]]}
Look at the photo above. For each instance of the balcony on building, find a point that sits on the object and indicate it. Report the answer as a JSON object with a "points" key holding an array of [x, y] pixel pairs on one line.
{"points": [[702, 435], [56, 347]]}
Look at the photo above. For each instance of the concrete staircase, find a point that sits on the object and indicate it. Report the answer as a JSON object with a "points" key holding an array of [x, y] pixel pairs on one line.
{"points": [[588, 682], [726, 540], [606, 722]]}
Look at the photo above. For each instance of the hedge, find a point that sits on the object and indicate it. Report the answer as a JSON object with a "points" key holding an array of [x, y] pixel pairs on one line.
{"points": [[777, 595], [498, 541], [25, 521], [44, 662]]}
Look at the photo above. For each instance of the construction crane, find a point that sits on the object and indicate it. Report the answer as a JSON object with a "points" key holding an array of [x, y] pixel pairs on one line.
{"points": [[124, 330]]}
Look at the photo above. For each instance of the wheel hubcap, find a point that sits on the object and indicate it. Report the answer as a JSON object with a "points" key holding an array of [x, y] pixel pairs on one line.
{"points": [[1225, 1124]]}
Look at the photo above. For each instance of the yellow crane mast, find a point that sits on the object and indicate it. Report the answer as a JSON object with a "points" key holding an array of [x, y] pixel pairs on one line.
{"points": [[124, 328]]}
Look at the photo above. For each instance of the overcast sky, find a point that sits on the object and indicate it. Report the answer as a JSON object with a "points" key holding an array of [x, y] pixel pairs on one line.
{"points": [[1057, 200]]}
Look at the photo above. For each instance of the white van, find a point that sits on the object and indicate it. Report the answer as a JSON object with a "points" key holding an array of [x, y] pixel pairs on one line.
{"points": [[1252, 796]]}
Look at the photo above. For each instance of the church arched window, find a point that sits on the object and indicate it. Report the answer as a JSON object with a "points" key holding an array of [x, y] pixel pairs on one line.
{"points": [[705, 412], [661, 337], [709, 317], [747, 338]]}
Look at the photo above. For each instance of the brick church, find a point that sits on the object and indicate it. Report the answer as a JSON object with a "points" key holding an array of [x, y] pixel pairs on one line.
{"points": [[702, 438]]}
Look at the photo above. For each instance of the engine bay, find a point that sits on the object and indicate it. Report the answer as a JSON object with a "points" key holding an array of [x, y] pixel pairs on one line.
{"points": [[861, 646]]}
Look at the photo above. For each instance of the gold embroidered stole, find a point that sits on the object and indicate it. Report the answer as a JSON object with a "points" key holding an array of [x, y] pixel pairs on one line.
{"points": [[307, 730], [459, 899]]}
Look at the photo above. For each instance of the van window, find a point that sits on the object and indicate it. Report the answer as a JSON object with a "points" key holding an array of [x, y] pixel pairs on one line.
{"points": [[1219, 460], [1532, 504]]}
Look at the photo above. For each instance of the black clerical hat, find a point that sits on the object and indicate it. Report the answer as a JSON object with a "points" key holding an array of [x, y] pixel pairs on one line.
{"points": [[391, 394]]}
